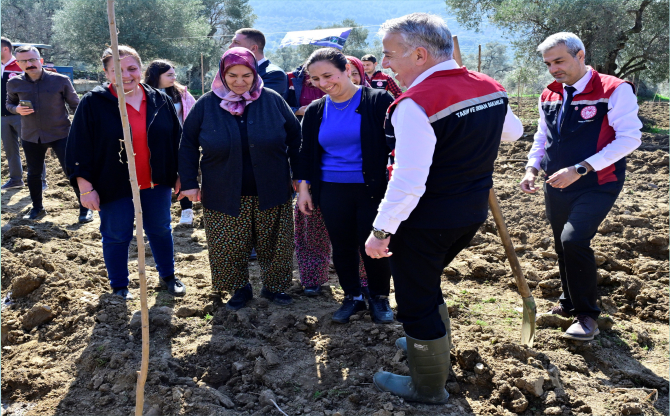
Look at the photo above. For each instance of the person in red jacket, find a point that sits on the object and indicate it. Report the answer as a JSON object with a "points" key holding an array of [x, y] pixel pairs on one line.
{"points": [[378, 79], [588, 124]]}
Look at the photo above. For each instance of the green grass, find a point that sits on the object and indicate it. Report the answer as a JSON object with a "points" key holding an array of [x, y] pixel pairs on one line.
{"points": [[480, 323], [659, 97], [656, 130], [490, 300]]}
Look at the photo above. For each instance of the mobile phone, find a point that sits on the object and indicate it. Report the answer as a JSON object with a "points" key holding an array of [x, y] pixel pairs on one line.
{"points": [[26, 103]]}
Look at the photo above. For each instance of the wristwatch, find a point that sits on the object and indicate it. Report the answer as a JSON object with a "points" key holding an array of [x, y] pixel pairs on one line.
{"points": [[582, 170], [380, 234]]}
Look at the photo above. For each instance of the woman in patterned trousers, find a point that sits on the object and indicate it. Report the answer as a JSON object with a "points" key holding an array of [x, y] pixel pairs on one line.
{"points": [[245, 134]]}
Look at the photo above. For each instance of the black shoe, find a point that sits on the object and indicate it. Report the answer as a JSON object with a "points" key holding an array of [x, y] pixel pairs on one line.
{"points": [[365, 291], [85, 216], [122, 292], [348, 308], [240, 298], [35, 214], [312, 291], [173, 285], [380, 310], [280, 298]]}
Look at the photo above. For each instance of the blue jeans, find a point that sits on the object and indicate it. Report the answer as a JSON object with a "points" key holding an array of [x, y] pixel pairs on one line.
{"points": [[116, 227]]}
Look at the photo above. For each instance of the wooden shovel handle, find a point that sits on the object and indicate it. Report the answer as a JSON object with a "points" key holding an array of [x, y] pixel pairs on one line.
{"points": [[509, 246]]}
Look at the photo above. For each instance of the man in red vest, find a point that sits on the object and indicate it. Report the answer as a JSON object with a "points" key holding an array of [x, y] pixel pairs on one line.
{"points": [[588, 124], [447, 129]]}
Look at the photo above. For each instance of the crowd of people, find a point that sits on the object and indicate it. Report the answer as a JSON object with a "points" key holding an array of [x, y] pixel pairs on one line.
{"points": [[299, 163]]}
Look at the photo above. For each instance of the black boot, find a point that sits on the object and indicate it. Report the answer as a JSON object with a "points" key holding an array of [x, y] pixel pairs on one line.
{"points": [[429, 363], [401, 343]]}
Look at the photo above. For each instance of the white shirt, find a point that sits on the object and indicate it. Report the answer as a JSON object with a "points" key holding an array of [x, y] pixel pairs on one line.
{"points": [[415, 145], [622, 116], [12, 59], [262, 60]]}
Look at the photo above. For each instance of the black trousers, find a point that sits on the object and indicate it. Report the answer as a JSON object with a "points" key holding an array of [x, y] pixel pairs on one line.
{"points": [[574, 218], [419, 257], [348, 212], [35, 156]]}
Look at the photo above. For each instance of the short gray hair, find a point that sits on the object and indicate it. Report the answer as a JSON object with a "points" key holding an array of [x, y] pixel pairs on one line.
{"points": [[570, 40], [26, 48], [422, 30]]}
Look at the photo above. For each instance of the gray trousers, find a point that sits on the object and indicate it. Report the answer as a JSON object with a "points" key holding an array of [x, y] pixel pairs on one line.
{"points": [[11, 143]]}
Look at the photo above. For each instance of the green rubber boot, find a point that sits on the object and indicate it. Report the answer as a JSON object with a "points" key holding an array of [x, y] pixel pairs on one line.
{"points": [[401, 343], [429, 363]]}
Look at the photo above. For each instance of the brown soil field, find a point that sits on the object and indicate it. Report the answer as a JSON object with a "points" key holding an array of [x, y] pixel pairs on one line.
{"points": [[70, 348]]}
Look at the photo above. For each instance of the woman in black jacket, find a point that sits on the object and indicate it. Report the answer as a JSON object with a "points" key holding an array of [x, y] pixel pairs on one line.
{"points": [[244, 138], [96, 160], [343, 160]]}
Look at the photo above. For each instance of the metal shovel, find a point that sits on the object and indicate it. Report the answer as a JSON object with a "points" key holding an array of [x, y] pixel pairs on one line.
{"points": [[529, 308]]}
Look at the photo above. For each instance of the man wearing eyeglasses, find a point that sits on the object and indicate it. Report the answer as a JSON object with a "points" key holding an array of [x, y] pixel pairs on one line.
{"points": [[39, 97], [11, 123]]}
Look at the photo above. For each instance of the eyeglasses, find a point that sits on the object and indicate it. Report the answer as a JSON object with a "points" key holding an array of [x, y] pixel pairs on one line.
{"points": [[25, 61]]}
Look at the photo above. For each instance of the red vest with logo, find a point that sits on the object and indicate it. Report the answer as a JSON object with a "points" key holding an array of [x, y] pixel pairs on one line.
{"points": [[467, 111], [584, 132]]}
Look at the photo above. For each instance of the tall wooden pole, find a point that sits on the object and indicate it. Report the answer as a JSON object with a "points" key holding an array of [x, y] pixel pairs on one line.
{"points": [[479, 60], [144, 367], [518, 96], [202, 74]]}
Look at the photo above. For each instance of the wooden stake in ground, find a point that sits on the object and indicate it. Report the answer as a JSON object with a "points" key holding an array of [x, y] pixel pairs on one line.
{"points": [[479, 60], [518, 97], [144, 368], [202, 74], [529, 308]]}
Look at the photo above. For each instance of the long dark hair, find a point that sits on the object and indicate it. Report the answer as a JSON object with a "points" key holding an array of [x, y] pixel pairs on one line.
{"points": [[153, 74]]}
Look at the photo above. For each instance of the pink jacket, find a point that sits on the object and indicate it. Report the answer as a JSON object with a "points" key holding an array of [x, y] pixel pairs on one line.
{"points": [[187, 102]]}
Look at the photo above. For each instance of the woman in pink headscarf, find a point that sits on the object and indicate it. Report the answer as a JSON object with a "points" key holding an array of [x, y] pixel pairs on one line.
{"points": [[243, 137]]}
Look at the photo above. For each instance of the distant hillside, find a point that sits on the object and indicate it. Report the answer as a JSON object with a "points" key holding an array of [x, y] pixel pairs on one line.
{"points": [[276, 17]]}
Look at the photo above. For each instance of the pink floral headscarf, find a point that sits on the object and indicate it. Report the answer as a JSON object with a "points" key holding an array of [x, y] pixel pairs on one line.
{"points": [[365, 79], [230, 101]]}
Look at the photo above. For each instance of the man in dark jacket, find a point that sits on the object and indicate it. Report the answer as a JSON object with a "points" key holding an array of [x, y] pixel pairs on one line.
{"points": [[273, 76], [40, 96]]}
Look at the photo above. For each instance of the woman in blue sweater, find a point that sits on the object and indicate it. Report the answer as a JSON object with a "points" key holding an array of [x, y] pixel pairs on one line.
{"points": [[343, 164]]}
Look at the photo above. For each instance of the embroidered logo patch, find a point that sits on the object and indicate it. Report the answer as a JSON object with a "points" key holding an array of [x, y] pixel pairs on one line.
{"points": [[12, 75], [589, 112], [380, 84]]}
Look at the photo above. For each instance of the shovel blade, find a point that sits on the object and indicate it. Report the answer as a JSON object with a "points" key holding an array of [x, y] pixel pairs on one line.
{"points": [[528, 323]]}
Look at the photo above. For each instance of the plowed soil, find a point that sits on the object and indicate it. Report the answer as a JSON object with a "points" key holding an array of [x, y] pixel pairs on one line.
{"points": [[70, 348]]}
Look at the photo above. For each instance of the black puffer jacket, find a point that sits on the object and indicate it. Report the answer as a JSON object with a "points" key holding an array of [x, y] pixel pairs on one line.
{"points": [[94, 143]]}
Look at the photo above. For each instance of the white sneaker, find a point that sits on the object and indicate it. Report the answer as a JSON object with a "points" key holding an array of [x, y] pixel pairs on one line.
{"points": [[186, 216]]}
